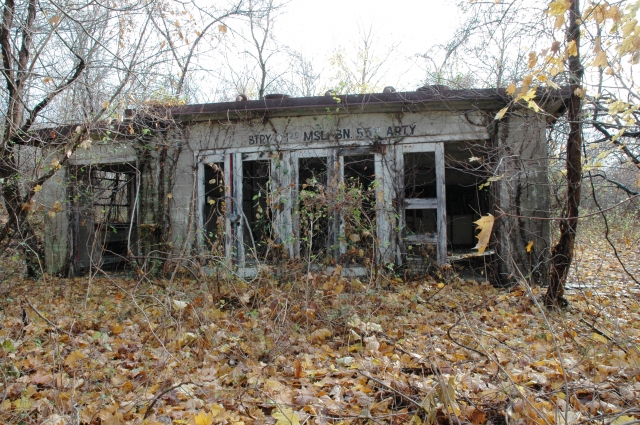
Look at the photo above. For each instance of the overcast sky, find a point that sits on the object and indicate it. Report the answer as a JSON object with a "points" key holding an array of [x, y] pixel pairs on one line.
{"points": [[315, 27]]}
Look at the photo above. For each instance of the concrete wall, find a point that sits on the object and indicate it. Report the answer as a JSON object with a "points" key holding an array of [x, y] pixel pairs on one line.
{"points": [[523, 198]]}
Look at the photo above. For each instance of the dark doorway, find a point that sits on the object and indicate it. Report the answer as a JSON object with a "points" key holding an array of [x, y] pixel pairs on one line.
{"points": [[105, 223]]}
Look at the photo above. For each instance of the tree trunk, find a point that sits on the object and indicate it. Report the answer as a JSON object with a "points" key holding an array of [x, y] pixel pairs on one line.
{"points": [[562, 252], [30, 245]]}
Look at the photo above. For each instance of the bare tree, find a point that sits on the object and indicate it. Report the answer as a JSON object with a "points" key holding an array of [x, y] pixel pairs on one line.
{"points": [[70, 63], [364, 71], [182, 38], [303, 77], [492, 45]]}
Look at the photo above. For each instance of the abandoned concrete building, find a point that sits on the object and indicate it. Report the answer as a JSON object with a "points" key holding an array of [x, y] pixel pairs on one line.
{"points": [[377, 180]]}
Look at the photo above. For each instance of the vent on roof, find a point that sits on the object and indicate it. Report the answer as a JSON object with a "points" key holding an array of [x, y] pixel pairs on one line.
{"points": [[389, 89], [241, 98]]}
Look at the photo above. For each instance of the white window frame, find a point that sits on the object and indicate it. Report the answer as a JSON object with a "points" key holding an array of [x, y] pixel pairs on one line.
{"points": [[439, 203], [296, 156]]}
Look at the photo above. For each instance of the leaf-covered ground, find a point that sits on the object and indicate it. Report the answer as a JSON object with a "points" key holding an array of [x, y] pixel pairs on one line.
{"points": [[322, 350]]}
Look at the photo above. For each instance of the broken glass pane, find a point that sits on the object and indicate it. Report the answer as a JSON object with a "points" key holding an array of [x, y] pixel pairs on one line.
{"points": [[358, 208]]}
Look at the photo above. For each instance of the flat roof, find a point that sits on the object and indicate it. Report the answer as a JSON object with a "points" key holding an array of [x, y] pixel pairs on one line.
{"points": [[428, 98], [436, 98]]}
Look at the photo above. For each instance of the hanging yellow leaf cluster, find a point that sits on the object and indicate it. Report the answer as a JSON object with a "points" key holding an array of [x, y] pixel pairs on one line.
{"points": [[621, 24]]}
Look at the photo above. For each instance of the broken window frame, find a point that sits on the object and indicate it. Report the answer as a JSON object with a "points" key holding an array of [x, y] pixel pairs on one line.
{"points": [[296, 157], [366, 150], [284, 176], [235, 222], [438, 203]]}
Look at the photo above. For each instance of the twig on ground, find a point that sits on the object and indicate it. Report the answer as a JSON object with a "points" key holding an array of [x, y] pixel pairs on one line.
{"points": [[406, 397], [49, 322], [460, 344], [601, 333], [160, 394]]}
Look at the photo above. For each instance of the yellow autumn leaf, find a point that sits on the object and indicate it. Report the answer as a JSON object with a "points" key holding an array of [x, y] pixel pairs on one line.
{"points": [[74, 358], [601, 59], [37, 188], [559, 7], [553, 85], [285, 416], [216, 410], [529, 246], [222, 29], [621, 420], [319, 335], [572, 48], [501, 113], [530, 94], [533, 59], [105, 104], [170, 195], [203, 418], [597, 12], [614, 13], [485, 225], [559, 22], [511, 89], [22, 404], [599, 338], [533, 105]]}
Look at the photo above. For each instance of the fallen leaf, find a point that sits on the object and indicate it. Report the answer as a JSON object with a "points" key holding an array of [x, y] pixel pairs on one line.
{"points": [[203, 418], [285, 416], [73, 359]]}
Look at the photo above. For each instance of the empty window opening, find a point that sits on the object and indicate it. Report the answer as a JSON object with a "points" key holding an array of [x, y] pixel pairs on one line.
{"points": [[214, 206], [420, 197], [313, 208], [255, 207], [113, 190], [105, 225], [357, 236], [465, 204]]}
